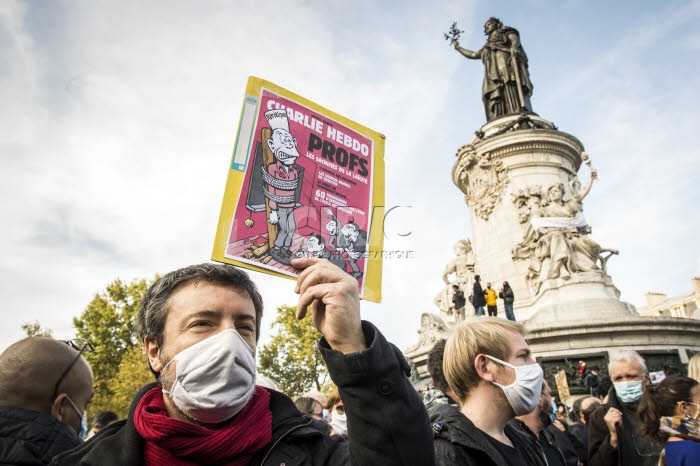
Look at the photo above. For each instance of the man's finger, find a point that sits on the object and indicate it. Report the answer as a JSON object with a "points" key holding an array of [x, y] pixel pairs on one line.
{"points": [[311, 293], [305, 264]]}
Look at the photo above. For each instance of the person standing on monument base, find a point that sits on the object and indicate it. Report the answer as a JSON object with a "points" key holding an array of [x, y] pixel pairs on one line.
{"points": [[478, 298], [506, 294], [491, 300], [459, 301], [613, 430]]}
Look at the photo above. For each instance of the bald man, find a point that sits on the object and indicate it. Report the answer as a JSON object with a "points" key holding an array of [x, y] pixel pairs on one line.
{"points": [[45, 385]]}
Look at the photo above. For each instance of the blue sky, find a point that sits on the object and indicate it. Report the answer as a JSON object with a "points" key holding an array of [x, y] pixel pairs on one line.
{"points": [[119, 117]]}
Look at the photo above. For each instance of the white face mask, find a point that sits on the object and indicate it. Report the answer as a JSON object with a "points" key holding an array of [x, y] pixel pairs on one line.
{"points": [[214, 379], [339, 423], [523, 394]]}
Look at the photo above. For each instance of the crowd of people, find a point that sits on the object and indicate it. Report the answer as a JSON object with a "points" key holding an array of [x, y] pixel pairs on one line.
{"points": [[489, 403], [481, 298]]}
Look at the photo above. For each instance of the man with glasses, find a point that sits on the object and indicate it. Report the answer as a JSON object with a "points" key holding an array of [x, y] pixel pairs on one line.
{"points": [[200, 327], [45, 385]]}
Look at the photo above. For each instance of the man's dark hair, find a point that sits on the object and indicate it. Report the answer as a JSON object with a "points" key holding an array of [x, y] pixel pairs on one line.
{"points": [[575, 412], [594, 368], [435, 358], [153, 311], [477, 277], [604, 385], [104, 418], [590, 410], [319, 238]]}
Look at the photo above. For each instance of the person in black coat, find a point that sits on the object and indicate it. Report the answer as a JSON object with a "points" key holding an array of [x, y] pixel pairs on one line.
{"points": [[459, 302], [482, 355], [185, 315], [45, 385], [506, 294], [478, 297]]}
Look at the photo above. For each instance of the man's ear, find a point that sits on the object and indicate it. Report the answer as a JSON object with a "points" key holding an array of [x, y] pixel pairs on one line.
{"points": [[271, 145], [484, 367], [57, 407], [646, 381], [153, 353]]}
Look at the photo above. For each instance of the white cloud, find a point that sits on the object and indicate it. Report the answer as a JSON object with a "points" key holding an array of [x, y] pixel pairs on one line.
{"points": [[120, 119]]}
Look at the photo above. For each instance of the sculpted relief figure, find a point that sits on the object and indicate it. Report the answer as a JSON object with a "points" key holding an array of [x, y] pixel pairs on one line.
{"points": [[556, 241], [480, 178], [528, 200], [506, 88], [462, 267], [432, 329]]}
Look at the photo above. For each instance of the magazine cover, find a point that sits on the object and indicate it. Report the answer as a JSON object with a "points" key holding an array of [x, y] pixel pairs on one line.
{"points": [[303, 182]]}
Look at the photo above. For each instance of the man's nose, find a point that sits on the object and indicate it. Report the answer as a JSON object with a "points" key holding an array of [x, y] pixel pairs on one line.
{"points": [[227, 324]]}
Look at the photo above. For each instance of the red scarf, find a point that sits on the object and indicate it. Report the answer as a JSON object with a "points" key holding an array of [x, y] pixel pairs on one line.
{"points": [[175, 442]]}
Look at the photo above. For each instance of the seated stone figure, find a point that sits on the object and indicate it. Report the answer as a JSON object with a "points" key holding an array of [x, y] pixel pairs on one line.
{"points": [[556, 239]]}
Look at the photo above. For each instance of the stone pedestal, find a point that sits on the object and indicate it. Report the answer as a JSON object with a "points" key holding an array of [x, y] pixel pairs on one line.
{"points": [[505, 172], [524, 233]]}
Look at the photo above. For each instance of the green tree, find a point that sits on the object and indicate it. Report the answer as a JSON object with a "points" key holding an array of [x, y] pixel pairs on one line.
{"points": [[133, 373], [34, 329], [108, 323], [292, 358]]}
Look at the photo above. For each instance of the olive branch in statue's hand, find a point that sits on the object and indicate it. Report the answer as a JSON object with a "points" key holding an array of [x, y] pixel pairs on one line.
{"points": [[453, 34]]}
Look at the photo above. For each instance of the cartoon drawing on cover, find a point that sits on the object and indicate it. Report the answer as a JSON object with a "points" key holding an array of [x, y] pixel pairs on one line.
{"points": [[281, 180], [353, 241]]}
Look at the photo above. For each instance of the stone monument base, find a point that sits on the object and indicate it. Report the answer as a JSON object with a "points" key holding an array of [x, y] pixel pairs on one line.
{"points": [[579, 297]]}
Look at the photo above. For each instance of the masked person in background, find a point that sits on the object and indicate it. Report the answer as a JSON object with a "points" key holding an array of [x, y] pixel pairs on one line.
{"points": [[613, 430], [102, 419], [670, 413], [336, 415], [554, 443], [200, 326], [488, 365], [45, 386]]}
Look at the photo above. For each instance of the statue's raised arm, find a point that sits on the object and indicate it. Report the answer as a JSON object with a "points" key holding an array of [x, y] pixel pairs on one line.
{"points": [[506, 88], [575, 186]]}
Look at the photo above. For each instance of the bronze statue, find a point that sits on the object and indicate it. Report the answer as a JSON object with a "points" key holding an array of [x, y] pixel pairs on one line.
{"points": [[506, 89]]}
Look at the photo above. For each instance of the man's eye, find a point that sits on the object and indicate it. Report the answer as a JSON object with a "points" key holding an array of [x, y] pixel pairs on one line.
{"points": [[200, 323]]}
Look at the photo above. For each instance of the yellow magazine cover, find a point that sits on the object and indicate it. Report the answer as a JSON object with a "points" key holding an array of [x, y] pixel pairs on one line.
{"points": [[303, 182]]}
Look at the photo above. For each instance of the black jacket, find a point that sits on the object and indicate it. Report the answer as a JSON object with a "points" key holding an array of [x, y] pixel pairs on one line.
{"points": [[478, 298], [459, 442], [601, 453], [507, 295], [29, 437], [387, 422], [459, 300]]}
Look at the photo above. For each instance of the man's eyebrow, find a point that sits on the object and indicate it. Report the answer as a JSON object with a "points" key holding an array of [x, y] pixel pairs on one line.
{"points": [[246, 317], [525, 352], [204, 313]]}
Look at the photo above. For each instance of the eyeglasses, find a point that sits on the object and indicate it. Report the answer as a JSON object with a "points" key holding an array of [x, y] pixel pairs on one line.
{"points": [[79, 345], [648, 448], [77, 411]]}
